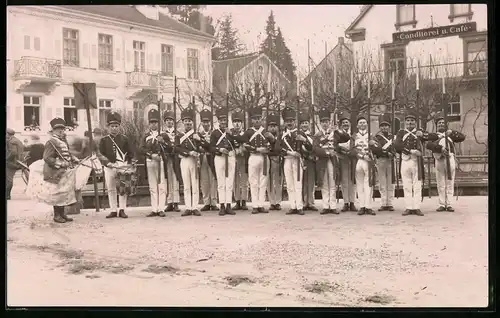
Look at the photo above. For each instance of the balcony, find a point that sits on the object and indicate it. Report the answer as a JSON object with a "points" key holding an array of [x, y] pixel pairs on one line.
{"points": [[37, 69], [142, 82]]}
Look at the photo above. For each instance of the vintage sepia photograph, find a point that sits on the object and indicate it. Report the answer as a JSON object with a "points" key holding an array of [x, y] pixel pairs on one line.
{"points": [[247, 156]]}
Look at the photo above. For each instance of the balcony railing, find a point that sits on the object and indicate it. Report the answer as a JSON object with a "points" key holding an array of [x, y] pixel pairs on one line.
{"points": [[33, 67], [147, 79]]}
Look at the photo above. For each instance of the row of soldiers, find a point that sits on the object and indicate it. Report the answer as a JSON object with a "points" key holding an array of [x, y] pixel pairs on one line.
{"points": [[227, 160]]}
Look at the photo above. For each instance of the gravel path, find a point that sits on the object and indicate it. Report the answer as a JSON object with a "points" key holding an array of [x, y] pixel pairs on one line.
{"points": [[250, 260]]}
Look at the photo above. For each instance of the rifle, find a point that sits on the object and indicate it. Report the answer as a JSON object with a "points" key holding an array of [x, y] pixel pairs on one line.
{"points": [[268, 101], [371, 164], [446, 146], [298, 144], [244, 130], [279, 131], [420, 160], [394, 163], [226, 158]]}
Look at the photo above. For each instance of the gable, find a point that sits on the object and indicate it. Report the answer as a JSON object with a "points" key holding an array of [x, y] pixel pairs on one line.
{"points": [[361, 15]]}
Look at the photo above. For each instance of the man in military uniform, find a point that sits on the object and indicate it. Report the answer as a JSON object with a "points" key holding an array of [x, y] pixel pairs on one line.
{"points": [[173, 165], [114, 150], [14, 152], [221, 142], [347, 164], [275, 184], [155, 148], [188, 147], [409, 144], [364, 163], [257, 141], [442, 145], [207, 169], [327, 161], [383, 149], [240, 188], [309, 181]]}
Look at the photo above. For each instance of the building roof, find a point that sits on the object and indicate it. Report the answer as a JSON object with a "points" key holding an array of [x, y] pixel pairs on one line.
{"points": [[332, 51], [362, 13], [234, 64], [131, 14]]}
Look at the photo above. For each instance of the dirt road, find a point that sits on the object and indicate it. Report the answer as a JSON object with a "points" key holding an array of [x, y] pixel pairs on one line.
{"points": [[249, 260]]}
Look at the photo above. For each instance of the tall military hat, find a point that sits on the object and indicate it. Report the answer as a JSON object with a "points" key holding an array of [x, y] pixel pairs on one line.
{"points": [[114, 118], [273, 118], [362, 115], [205, 115], [411, 113], [343, 115], [237, 115], [153, 115], [57, 122], [255, 112], [438, 116], [324, 113], [168, 114], [187, 113], [288, 113], [221, 112], [304, 116], [384, 119]]}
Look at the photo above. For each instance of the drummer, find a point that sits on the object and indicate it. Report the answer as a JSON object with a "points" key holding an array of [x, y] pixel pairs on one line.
{"points": [[114, 152]]}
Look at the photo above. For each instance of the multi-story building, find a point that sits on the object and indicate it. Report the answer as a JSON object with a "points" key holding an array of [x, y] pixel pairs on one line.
{"points": [[132, 53], [441, 41]]}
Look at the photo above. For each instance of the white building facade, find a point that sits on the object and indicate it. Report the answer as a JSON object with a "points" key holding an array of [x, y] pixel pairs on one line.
{"points": [[447, 40], [130, 52]]}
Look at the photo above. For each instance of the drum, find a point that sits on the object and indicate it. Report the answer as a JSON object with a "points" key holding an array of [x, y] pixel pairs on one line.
{"points": [[126, 180]]}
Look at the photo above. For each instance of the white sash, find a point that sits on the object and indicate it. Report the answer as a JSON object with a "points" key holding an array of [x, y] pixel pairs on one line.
{"points": [[256, 133], [186, 135], [388, 142], [288, 132], [120, 156], [152, 136], [221, 137], [409, 133]]}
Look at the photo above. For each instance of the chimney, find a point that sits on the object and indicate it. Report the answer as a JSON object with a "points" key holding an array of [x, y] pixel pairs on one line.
{"points": [[151, 12], [341, 40]]}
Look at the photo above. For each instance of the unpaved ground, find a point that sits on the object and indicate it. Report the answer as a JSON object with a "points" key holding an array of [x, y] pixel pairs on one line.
{"points": [[249, 260]]}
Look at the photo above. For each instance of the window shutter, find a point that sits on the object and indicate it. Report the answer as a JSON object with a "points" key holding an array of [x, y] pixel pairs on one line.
{"points": [[117, 54], [158, 65], [129, 64], [58, 48], [177, 64], [150, 61], [27, 41], [19, 113], [59, 112], [85, 50], [48, 113], [93, 59], [37, 43]]}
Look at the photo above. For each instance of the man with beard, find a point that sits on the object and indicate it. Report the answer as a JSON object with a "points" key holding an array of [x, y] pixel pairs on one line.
{"points": [[327, 161], [14, 153], [115, 150], [409, 144], [364, 163], [257, 141], [240, 188], [442, 145], [275, 184], [188, 146], [173, 165], [207, 169], [383, 149], [222, 145], [309, 181], [347, 164]]}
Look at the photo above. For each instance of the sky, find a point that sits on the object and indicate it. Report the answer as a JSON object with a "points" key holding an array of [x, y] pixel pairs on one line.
{"points": [[319, 24]]}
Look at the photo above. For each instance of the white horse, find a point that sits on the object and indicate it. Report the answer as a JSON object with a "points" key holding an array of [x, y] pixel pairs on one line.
{"points": [[62, 193]]}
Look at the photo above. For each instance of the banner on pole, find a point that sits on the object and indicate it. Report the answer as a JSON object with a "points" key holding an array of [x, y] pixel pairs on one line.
{"points": [[85, 93]]}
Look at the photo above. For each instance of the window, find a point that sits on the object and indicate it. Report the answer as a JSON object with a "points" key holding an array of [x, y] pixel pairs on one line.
{"points": [[460, 10], [395, 61], [105, 52], [476, 57], [31, 107], [70, 112], [36, 43], [104, 108], [70, 47], [27, 41], [139, 56], [167, 60], [192, 63], [405, 14], [454, 106]]}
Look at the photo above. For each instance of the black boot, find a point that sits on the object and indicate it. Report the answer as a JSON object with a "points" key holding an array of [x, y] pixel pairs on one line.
{"points": [[229, 211], [361, 211], [122, 214], [206, 207], [244, 205], [64, 216], [237, 206], [352, 207], [255, 211], [214, 208], [170, 207], [277, 207], [112, 215], [176, 207], [262, 210], [222, 210], [345, 208], [57, 215], [291, 211]]}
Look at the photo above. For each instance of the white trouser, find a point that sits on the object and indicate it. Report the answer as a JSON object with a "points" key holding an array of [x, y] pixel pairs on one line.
{"points": [[275, 184], [172, 190], [328, 188], [445, 186], [257, 179], [346, 183], [156, 186], [208, 183], [225, 184], [191, 186], [363, 188], [412, 187], [386, 187], [110, 177], [293, 187]]}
